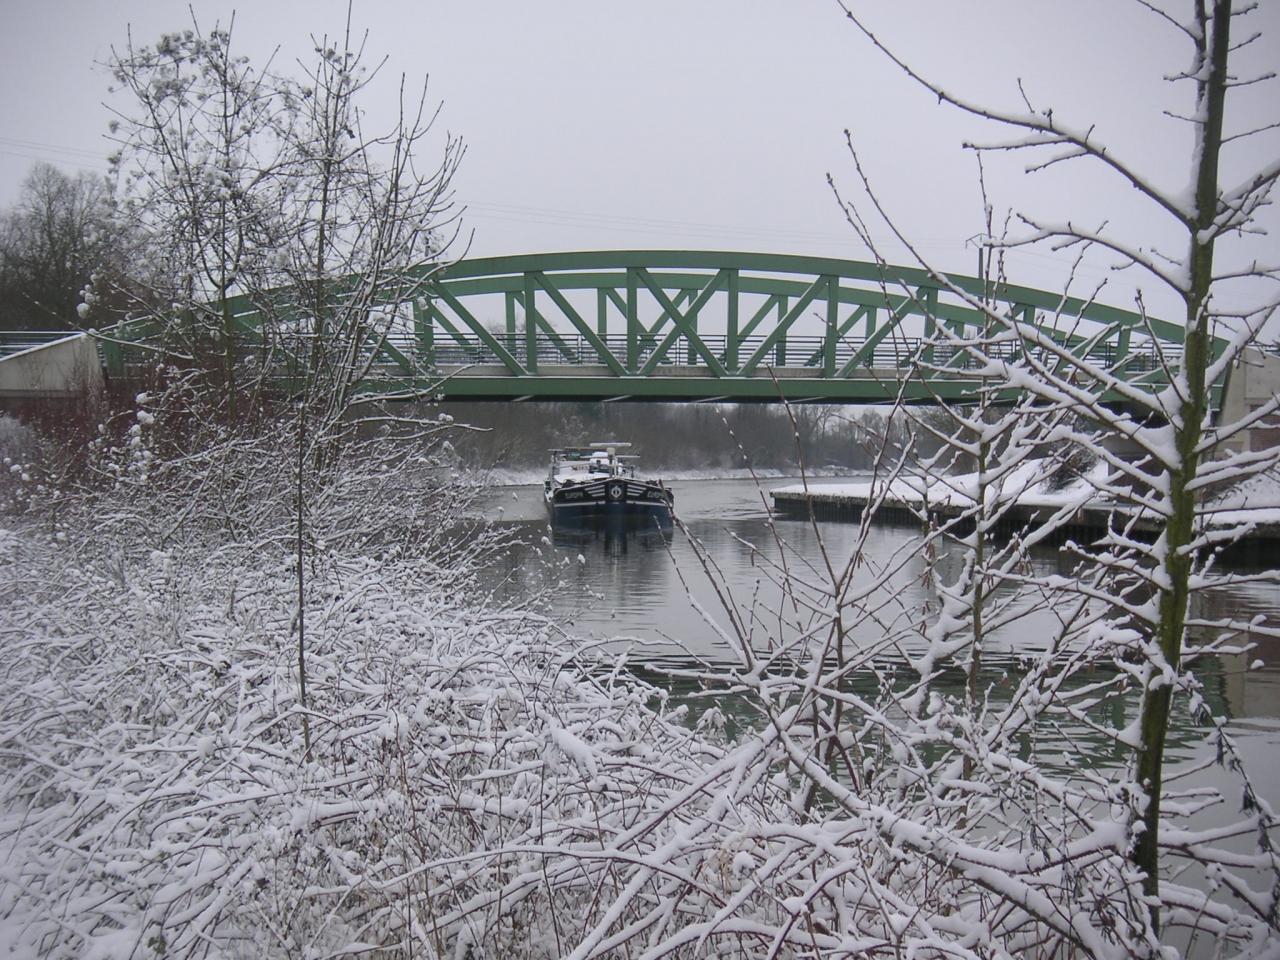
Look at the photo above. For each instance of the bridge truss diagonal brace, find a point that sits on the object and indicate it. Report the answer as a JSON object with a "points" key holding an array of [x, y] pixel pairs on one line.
{"points": [[772, 301], [639, 336], [579, 324], [683, 322], [867, 351], [385, 348], [534, 320], [864, 312], [431, 317], [822, 286], [504, 356]]}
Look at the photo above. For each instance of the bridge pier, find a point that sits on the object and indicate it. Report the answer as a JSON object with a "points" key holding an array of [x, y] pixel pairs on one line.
{"points": [[1253, 381], [61, 366]]}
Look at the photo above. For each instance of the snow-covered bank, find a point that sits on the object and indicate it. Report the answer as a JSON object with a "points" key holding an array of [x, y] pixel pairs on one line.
{"points": [[1254, 501], [1027, 485], [1030, 485], [523, 477]]}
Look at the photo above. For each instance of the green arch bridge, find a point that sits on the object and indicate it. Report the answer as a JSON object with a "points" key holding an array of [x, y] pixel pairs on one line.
{"points": [[692, 325]]}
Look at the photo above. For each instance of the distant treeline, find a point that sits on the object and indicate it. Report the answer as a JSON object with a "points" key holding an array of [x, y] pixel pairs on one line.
{"points": [[674, 435]]}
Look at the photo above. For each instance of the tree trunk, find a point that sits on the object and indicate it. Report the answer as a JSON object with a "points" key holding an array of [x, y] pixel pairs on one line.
{"points": [[1178, 560]]}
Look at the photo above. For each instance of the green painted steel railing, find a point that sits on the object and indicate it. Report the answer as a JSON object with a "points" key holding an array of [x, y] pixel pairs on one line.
{"points": [[685, 325]]}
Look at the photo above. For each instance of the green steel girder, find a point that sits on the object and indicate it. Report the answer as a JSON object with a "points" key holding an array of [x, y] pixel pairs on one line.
{"points": [[786, 321], [652, 317], [889, 277], [682, 322], [776, 291], [602, 350]]}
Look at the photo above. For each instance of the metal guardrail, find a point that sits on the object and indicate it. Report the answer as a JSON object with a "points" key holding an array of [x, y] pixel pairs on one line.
{"points": [[797, 352], [793, 353]]}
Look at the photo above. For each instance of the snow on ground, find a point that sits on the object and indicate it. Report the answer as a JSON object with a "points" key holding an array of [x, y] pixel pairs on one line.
{"points": [[528, 476]]}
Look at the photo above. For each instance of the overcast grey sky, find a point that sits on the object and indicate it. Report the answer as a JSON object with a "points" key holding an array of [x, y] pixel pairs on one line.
{"points": [[700, 123]]}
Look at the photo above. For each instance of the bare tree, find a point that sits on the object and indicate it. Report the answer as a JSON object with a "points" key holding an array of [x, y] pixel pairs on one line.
{"points": [[201, 139], [1180, 448], [365, 227], [290, 235], [291, 242], [53, 242]]}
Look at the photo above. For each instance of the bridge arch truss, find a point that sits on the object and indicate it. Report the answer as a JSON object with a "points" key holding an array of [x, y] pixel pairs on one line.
{"points": [[706, 325]]}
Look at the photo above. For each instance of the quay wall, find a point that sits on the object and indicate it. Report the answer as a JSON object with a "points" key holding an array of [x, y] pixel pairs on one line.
{"points": [[1261, 546]]}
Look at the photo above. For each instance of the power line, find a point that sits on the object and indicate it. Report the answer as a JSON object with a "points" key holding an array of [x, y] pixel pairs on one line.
{"points": [[29, 145]]}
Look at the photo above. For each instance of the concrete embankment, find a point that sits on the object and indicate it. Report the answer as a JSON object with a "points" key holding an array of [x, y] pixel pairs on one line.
{"points": [[1085, 522]]}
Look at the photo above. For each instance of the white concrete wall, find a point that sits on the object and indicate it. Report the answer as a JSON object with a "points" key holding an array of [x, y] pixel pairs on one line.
{"points": [[1254, 380], [64, 368]]}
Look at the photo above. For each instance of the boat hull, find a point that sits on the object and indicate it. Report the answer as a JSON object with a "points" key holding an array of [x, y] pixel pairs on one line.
{"points": [[611, 498]]}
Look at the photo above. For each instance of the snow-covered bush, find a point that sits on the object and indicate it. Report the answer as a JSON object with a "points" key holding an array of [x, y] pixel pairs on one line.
{"points": [[460, 780], [158, 800], [474, 786], [158, 796]]}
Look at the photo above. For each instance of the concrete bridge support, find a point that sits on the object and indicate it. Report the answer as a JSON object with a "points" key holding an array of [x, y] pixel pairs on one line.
{"points": [[1252, 382], [62, 368]]}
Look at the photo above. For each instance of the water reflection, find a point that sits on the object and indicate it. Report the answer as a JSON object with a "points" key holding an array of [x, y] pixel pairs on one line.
{"points": [[628, 581], [654, 591], [614, 536]]}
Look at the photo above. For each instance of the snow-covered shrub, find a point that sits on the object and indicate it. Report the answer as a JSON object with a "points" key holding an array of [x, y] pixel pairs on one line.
{"points": [[470, 784], [157, 797], [458, 781], [158, 800]]}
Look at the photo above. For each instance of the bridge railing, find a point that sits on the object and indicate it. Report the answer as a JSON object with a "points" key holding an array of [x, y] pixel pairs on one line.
{"points": [[792, 353], [932, 358]]}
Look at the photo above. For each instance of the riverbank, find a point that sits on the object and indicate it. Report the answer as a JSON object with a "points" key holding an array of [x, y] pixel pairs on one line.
{"points": [[527, 476], [1033, 498]]}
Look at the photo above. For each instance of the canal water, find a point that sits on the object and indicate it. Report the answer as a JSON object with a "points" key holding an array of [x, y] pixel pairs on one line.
{"points": [[661, 599]]}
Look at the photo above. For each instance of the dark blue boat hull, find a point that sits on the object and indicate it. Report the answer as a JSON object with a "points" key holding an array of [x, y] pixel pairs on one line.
{"points": [[613, 499], [643, 513]]}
